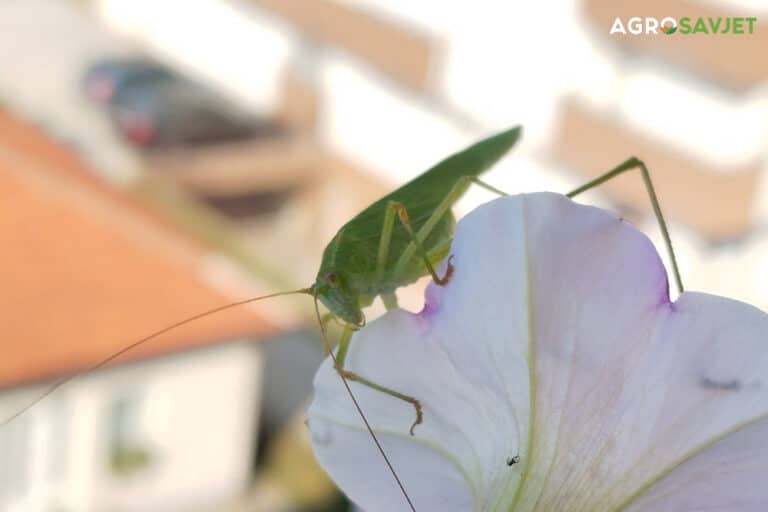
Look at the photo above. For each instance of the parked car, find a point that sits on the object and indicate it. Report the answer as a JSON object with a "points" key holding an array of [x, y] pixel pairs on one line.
{"points": [[181, 113], [154, 107]]}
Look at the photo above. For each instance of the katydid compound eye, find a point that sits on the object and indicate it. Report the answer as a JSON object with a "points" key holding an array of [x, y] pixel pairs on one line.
{"points": [[332, 279]]}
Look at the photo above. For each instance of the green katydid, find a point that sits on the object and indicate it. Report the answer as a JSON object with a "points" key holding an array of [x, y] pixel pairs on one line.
{"points": [[393, 242]]}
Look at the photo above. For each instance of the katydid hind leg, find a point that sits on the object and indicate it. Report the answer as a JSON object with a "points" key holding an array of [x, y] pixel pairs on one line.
{"points": [[628, 165], [487, 186]]}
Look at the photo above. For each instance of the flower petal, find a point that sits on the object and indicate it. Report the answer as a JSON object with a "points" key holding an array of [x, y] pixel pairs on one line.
{"points": [[728, 475], [555, 340]]}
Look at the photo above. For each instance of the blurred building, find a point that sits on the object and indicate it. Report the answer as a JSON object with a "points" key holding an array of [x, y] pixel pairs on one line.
{"points": [[399, 84], [87, 270], [369, 93]]}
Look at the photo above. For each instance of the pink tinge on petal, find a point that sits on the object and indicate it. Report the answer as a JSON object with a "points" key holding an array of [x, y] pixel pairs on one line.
{"points": [[432, 296], [433, 293]]}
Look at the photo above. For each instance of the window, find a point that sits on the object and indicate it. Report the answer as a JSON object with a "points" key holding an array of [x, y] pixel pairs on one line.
{"points": [[128, 451]]}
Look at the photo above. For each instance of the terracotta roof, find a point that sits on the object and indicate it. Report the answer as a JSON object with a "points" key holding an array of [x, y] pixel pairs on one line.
{"points": [[86, 270]]}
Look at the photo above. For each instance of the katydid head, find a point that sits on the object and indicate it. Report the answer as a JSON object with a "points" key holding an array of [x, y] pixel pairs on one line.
{"points": [[333, 290]]}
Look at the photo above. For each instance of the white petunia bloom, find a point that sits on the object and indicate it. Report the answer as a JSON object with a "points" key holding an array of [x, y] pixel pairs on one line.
{"points": [[555, 340]]}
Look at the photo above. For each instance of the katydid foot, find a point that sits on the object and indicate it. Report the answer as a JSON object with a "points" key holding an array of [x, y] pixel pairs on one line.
{"points": [[442, 281]]}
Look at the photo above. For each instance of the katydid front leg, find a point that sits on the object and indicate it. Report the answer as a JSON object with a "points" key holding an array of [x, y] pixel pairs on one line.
{"points": [[402, 214], [341, 355], [446, 204]]}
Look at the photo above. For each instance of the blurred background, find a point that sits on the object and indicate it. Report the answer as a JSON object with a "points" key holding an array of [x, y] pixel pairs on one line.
{"points": [[160, 158]]}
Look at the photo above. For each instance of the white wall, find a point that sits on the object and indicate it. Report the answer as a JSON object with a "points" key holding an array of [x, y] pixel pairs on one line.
{"points": [[196, 414]]}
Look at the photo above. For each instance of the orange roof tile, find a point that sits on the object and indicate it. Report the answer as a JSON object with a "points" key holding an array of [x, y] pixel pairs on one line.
{"points": [[85, 270]]}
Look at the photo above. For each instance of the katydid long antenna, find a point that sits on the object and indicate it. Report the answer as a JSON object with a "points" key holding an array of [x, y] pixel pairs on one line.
{"points": [[55, 386]]}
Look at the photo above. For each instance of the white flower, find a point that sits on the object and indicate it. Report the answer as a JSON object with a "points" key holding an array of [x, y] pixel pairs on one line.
{"points": [[555, 340]]}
